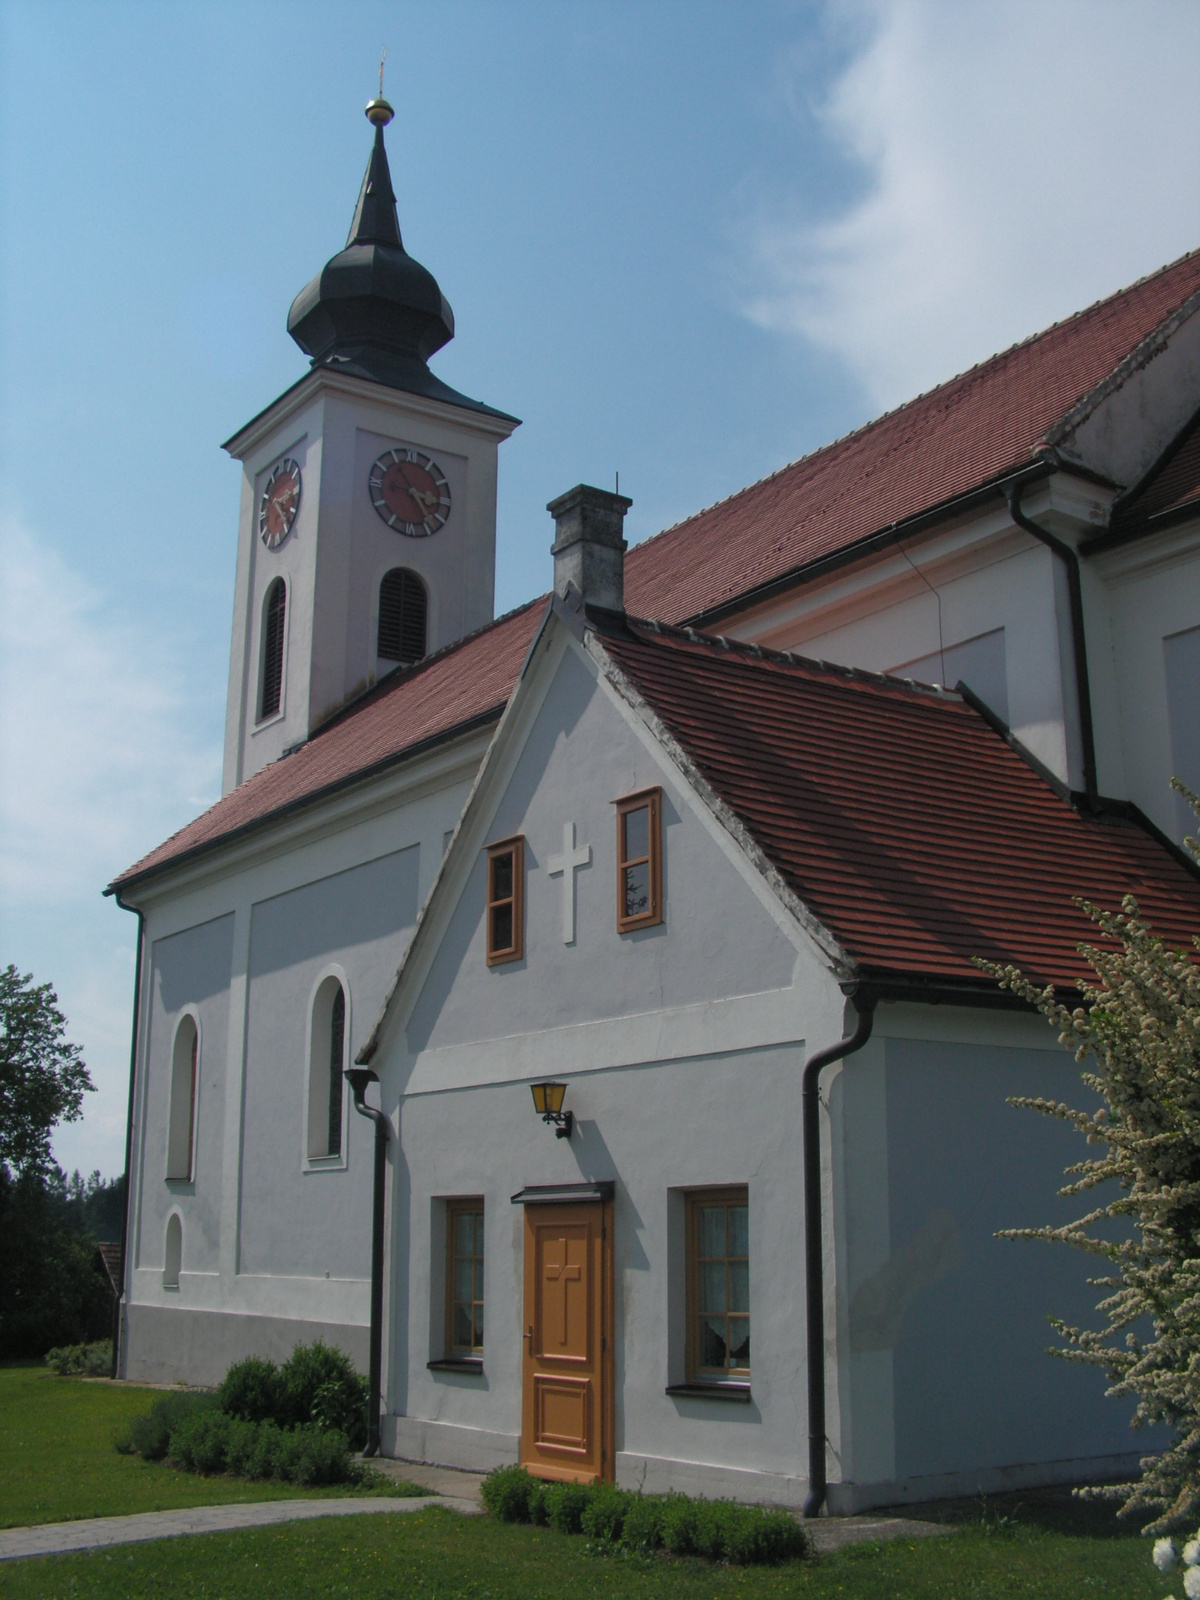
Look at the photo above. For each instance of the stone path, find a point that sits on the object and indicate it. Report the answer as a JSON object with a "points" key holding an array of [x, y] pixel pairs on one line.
{"points": [[58, 1538]]}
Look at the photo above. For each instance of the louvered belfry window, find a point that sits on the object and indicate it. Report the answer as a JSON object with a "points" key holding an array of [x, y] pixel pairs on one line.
{"points": [[403, 604], [274, 614]]}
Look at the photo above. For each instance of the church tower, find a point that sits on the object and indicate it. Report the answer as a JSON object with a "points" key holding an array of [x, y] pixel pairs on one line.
{"points": [[367, 531]]}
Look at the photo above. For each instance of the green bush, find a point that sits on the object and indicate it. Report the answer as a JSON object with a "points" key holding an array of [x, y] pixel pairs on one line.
{"points": [[604, 1515], [315, 1455], [150, 1436], [92, 1360], [318, 1384], [565, 1505], [642, 1526], [200, 1442], [506, 1493], [764, 1538], [252, 1390]]}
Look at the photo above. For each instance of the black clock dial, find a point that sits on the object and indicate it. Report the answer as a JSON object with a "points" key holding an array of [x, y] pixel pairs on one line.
{"points": [[410, 492]]}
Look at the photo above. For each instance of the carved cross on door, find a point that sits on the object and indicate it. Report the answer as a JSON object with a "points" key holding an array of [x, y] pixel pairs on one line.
{"points": [[564, 866], [560, 1271]]}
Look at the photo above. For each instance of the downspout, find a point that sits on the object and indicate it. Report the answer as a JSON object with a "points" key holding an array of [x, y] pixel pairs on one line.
{"points": [[814, 1252], [1070, 559], [359, 1078], [125, 1254]]}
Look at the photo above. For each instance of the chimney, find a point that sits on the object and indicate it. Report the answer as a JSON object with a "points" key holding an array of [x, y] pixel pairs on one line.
{"points": [[588, 549]]}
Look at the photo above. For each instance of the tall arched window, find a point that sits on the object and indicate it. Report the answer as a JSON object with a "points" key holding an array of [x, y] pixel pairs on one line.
{"points": [[173, 1252], [274, 616], [327, 1062], [403, 606], [181, 1123]]}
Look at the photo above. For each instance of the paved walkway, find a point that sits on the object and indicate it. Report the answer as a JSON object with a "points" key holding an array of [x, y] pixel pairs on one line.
{"points": [[58, 1538]]}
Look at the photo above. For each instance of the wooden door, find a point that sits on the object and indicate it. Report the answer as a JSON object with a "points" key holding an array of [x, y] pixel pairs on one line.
{"points": [[566, 1411]]}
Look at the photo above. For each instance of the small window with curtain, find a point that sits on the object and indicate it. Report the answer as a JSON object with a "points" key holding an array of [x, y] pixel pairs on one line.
{"points": [[506, 901], [403, 608], [271, 677], [639, 860], [464, 1280], [718, 1287]]}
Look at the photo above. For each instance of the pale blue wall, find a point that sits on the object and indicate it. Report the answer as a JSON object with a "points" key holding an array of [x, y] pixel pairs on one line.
{"points": [[297, 1222], [973, 1383], [191, 968]]}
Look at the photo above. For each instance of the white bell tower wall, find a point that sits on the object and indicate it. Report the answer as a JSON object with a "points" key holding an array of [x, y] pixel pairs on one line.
{"points": [[339, 549]]}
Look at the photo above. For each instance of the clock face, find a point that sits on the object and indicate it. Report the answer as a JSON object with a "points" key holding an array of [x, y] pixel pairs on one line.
{"points": [[410, 492], [280, 502]]}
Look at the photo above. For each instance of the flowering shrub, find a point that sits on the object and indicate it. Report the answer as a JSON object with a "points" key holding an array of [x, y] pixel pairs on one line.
{"points": [[1140, 1022], [1166, 1558]]}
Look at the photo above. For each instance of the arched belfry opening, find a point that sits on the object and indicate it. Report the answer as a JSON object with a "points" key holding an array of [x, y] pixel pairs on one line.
{"points": [[271, 676], [403, 617]]}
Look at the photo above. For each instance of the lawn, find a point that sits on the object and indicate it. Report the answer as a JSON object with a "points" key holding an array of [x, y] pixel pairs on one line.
{"points": [[435, 1555], [57, 1460], [57, 1463]]}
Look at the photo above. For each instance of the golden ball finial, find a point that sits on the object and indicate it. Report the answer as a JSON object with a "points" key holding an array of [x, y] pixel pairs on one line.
{"points": [[379, 112]]}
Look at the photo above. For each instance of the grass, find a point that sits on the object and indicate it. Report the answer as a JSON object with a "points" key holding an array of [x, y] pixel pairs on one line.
{"points": [[57, 1463], [57, 1460], [435, 1555]]}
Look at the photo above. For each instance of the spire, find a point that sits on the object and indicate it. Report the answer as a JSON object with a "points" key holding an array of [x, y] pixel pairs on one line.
{"points": [[372, 310]]}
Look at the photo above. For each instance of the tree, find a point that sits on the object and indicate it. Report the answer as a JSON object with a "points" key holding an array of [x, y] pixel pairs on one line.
{"points": [[43, 1079], [1140, 1023]]}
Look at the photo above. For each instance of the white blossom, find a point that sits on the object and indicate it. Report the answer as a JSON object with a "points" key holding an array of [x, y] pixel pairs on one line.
{"points": [[1191, 1552], [1164, 1556], [1191, 1583]]}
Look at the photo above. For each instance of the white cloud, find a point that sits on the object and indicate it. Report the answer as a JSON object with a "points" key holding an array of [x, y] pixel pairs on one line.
{"points": [[1022, 160], [102, 754]]}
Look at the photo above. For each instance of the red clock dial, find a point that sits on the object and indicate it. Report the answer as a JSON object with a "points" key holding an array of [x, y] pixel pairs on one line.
{"points": [[410, 492], [280, 502]]}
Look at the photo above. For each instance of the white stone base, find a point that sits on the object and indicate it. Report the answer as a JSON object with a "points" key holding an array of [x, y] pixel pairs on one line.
{"points": [[844, 1499], [446, 1444], [164, 1345]]}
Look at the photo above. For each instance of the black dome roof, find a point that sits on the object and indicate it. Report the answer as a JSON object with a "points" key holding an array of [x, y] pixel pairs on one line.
{"points": [[372, 306]]}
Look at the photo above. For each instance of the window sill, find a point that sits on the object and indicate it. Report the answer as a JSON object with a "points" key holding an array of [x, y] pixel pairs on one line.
{"points": [[738, 1393], [467, 1364]]}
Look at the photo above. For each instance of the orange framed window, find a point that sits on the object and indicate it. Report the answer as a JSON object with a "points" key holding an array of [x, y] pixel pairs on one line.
{"points": [[718, 1285], [506, 901], [639, 860], [464, 1279]]}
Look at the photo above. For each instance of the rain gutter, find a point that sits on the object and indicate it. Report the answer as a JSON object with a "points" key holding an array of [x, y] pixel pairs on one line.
{"points": [[122, 1298]]}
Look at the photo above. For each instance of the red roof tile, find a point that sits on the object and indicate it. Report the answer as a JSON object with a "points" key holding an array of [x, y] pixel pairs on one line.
{"points": [[1173, 486], [407, 709], [906, 824], [967, 432]]}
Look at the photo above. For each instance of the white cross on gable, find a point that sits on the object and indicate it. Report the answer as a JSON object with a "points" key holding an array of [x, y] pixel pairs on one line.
{"points": [[565, 866]]}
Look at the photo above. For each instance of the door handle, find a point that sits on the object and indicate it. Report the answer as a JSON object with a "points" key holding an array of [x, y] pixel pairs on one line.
{"points": [[529, 1336]]}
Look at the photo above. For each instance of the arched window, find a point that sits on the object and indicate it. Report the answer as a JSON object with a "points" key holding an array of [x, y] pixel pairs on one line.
{"points": [[403, 606], [327, 1061], [274, 616], [173, 1252], [181, 1124]]}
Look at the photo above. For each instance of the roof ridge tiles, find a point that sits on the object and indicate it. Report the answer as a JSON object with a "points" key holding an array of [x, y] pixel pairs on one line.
{"points": [[791, 658]]}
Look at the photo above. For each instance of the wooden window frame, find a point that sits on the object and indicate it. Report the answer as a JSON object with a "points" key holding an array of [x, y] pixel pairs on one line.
{"points": [[516, 951], [651, 798], [725, 1195], [455, 1208]]}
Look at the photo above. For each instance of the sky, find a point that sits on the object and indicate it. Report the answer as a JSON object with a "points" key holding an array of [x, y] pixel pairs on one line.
{"points": [[685, 241]]}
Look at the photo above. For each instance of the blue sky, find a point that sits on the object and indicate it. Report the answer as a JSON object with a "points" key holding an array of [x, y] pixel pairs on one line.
{"points": [[685, 241]]}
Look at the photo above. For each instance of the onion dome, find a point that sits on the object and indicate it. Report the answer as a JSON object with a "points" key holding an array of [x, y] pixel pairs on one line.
{"points": [[372, 310]]}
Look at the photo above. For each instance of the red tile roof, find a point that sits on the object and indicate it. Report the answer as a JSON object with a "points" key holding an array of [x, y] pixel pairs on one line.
{"points": [[967, 432], [910, 828], [1170, 490], [465, 681]]}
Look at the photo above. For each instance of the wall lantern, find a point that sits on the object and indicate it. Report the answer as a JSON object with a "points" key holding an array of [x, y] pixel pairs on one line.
{"points": [[547, 1102]]}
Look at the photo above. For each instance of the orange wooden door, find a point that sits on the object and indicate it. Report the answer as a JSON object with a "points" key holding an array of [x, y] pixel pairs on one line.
{"points": [[566, 1411]]}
